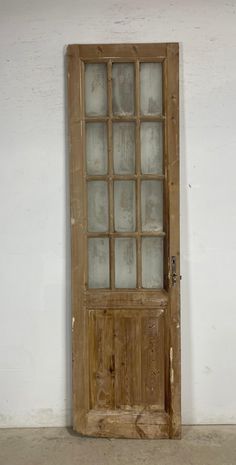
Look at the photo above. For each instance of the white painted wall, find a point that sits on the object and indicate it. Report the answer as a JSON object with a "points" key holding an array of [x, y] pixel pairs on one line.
{"points": [[34, 233]]}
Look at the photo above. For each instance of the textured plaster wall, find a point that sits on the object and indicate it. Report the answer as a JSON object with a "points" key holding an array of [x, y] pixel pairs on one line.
{"points": [[35, 387]]}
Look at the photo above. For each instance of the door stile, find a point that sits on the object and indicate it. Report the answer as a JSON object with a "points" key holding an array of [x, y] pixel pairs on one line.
{"points": [[78, 255], [166, 229], [174, 233]]}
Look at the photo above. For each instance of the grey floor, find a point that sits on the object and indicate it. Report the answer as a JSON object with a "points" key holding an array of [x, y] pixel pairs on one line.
{"points": [[200, 445]]}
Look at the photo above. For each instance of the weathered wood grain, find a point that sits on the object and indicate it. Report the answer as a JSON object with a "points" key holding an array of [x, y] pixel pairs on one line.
{"points": [[152, 362], [157, 52], [173, 220], [126, 299], [78, 244], [101, 356], [120, 423]]}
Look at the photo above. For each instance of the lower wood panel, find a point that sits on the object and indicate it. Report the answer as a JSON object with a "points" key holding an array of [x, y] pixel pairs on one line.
{"points": [[152, 361], [127, 424], [101, 360], [126, 358], [127, 361]]}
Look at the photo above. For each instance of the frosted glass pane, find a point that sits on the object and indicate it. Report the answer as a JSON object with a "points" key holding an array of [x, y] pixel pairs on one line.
{"points": [[152, 262], [124, 148], [152, 205], [98, 262], [151, 88], [97, 206], [151, 148], [96, 148], [123, 88], [124, 201], [125, 263], [96, 89]]}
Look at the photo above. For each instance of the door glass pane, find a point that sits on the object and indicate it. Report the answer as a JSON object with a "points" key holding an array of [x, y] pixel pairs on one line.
{"points": [[123, 88], [151, 148], [151, 88], [125, 263], [96, 148], [124, 148], [152, 262], [124, 201], [97, 206], [98, 262], [152, 205], [96, 89]]}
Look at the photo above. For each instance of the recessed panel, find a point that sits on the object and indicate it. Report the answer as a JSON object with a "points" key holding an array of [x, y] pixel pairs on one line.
{"points": [[101, 336], [151, 88], [97, 206], [118, 340], [151, 148], [96, 89], [124, 202], [152, 361], [127, 354], [124, 148], [152, 262], [96, 148], [98, 263], [123, 88], [125, 263], [152, 205]]}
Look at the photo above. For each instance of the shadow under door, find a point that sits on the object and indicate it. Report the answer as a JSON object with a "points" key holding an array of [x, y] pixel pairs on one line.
{"points": [[124, 171]]}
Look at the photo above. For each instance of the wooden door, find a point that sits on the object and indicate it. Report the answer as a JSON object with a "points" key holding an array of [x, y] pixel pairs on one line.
{"points": [[124, 171]]}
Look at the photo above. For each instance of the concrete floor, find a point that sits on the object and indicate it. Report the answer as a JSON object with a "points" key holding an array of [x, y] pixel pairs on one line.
{"points": [[200, 445]]}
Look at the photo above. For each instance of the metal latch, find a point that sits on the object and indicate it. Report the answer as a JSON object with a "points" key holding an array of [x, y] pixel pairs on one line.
{"points": [[173, 271]]}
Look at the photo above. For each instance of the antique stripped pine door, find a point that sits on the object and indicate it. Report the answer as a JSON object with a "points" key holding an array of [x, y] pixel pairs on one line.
{"points": [[124, 171]]}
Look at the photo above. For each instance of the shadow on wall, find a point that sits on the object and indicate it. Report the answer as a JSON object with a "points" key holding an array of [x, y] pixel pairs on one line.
{"points": [[186, 326]]}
